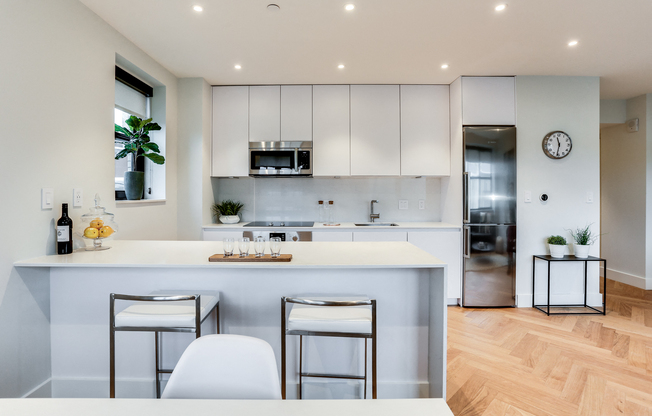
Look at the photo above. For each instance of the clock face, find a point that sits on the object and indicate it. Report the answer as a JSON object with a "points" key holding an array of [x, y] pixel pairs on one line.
{"points": [[557, 145]]}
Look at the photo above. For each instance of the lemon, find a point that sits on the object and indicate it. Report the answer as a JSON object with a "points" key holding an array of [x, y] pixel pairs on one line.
{"points": [[97, 223], [91, 232], [106, 231]]}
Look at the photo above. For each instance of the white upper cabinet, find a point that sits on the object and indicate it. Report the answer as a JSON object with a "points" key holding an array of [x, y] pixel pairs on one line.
{"points": [[331, 139], [488, 101], [296, 113], [265, 113], [375, 130], [230, 150], [425, 138]]}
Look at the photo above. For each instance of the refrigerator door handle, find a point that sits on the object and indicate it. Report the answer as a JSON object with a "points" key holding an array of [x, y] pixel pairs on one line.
{"points": [[467, 242], [467, 210]]}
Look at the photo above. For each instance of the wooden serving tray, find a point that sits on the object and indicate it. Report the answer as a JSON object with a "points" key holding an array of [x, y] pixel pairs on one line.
{"points": [[250, 258]]}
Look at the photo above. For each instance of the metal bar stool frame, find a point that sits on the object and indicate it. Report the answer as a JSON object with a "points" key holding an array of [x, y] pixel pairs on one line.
{"points": [[157, 330], [329, 303]]}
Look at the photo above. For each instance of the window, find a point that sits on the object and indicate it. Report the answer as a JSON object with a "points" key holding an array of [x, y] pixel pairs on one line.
{"points": [[132, 97]]}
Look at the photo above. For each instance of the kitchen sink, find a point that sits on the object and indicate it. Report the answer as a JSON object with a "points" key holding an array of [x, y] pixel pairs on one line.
{"points": [[376, 224]]}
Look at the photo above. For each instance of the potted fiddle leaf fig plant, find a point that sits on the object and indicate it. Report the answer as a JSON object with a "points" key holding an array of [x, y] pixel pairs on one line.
{"points": [[557, 245], [227, 211], [138, 145], [583, 239]]}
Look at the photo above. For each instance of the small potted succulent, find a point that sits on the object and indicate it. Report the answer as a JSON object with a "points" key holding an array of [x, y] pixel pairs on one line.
{"points": [[227, 211], [583, 238], [557, 245]]}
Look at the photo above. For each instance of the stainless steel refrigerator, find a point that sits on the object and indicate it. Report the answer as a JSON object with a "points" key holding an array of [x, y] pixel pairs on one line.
{"points": [[489, 217]]}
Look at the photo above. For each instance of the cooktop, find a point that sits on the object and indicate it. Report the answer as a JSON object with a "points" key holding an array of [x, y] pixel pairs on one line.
{"points": [[280, 224]]}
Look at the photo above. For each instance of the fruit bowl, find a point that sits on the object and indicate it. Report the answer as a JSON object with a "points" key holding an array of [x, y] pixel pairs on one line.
{"points": [[97, 225]]}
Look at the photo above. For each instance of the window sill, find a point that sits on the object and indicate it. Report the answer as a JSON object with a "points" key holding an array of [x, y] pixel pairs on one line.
{"points": [[140, 202]]}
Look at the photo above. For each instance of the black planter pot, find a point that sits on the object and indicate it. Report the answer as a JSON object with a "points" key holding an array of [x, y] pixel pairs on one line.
{"points": [[134, 184]]}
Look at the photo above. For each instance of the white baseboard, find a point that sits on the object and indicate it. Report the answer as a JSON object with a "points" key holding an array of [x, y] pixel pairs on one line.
{"points": [[628, 279], [42, 391], [452, 301], [143, 388]]}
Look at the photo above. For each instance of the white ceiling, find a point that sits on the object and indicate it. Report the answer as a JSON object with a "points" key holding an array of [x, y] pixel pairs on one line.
{"points": [[391, 42]]}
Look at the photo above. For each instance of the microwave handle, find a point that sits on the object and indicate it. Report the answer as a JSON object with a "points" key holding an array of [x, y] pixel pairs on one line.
{"points": [[296, 159]]}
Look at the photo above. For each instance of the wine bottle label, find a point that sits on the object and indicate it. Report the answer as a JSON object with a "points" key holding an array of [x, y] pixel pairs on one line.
{"points": [[63, 233]]}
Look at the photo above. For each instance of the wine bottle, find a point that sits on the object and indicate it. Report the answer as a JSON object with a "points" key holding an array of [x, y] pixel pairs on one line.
{"points": [[64, 232]]}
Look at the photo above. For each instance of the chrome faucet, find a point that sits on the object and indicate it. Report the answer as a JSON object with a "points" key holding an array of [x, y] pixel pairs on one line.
{"points": [[373, 216]]}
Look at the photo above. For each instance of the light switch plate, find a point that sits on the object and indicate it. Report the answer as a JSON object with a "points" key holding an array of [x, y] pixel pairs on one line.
{"points": [[422, 204], [402, 204], [77, 197], [47, 198], [527, 196]]}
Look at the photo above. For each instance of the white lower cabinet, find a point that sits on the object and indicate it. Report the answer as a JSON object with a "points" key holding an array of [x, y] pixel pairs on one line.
{"points": [[380, 236], [332, 236], [218, 235], [446, 245]]}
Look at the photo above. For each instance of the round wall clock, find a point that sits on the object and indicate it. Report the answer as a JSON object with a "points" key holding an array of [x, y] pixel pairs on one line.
{"points": [[557, 145]]}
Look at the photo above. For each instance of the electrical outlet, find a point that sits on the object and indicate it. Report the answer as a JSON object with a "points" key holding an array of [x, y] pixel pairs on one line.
{"points": [[422, 204], [77, 197], [47, 198], [402, 204]]}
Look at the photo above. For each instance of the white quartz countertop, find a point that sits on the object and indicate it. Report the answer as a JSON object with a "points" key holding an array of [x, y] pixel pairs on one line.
{"points": [[319, 226], [195, 254], [129, 407]]}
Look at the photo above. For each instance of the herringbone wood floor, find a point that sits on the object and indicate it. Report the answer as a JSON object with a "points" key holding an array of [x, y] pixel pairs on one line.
{"points": [[522, 362]]}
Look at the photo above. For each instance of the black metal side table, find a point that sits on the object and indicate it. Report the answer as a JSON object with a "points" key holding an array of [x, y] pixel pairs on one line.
{"points": [[550, 259]]}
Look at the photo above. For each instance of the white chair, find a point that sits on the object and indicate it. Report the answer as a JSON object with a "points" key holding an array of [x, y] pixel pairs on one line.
{"points": [[160, 311], [349, 316], [225, 367]]}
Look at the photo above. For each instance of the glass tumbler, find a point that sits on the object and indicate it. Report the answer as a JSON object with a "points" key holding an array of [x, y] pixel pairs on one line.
{"points": [[243, 246], [259, 246], [275, 246], [228, 244]]}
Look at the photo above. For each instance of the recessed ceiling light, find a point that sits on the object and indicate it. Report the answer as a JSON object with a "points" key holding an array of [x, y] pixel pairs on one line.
{"points": [[238, 67], [572, 43], [340, 66], [273, 7], [444, 66], [500, 7], [349, 7], [198, 8]]}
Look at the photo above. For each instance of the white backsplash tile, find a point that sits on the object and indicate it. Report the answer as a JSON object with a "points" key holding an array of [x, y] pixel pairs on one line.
{"points": [[296, 199]]}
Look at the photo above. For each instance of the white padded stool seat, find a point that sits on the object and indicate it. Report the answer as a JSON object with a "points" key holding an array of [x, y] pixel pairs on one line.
{"points": [[179, 314], [347, 319]]}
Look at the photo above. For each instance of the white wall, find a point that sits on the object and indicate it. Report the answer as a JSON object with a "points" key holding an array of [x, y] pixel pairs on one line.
{"points": [[623, 171], [195, 194], [544, 104], [56, 112], [613, 111], [297, 198]]}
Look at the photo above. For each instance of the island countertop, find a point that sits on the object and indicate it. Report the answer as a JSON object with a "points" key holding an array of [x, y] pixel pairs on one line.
{"points": [[195, 254]]}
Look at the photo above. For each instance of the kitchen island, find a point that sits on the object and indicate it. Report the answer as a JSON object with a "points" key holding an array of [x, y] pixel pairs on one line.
{"points": [[408, 283]]}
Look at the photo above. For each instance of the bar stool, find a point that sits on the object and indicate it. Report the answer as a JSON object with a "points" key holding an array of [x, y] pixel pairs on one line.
{"points": [[350, 317], [160, 311]]}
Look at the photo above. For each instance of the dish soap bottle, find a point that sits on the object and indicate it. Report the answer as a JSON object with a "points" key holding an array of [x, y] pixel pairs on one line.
{"points": [[321, 211], [331, 209]]}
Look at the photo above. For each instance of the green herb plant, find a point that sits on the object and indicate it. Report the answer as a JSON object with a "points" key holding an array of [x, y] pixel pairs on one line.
{"points": [[227, 207], [583, 235], [139, 142], [557, 240]]}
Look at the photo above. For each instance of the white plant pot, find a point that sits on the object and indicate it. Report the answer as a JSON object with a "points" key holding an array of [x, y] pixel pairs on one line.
{"points": [[229, 219], [557, 250], [581, 251]]}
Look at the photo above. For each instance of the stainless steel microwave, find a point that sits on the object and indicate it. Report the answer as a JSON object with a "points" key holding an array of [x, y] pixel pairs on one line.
{"points": [[280, 159]]}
